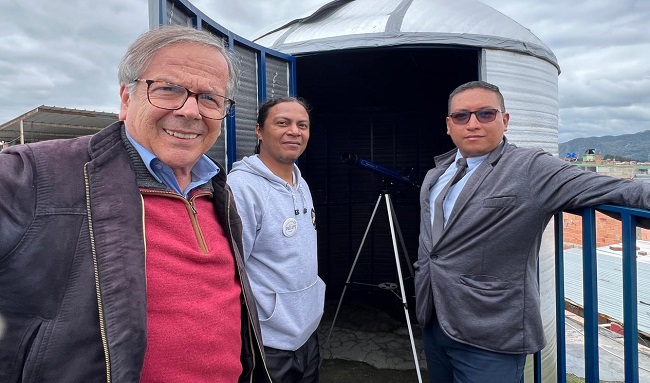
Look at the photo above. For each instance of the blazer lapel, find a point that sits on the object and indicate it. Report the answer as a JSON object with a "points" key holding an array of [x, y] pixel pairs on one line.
{"points": [[473, 183], [442, 162]]}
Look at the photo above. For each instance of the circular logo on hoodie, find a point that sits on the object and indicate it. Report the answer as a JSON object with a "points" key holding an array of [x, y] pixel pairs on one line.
{"points": [[289, 227]]}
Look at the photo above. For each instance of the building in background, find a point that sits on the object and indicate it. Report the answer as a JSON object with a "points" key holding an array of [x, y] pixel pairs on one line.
{"points": [[51, 122]]}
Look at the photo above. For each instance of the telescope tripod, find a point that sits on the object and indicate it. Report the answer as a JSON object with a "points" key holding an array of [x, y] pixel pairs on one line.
{"points": [[394, 229]]}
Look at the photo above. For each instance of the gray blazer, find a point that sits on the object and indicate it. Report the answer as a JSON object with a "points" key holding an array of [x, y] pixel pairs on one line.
{"points": [[481, 276]]}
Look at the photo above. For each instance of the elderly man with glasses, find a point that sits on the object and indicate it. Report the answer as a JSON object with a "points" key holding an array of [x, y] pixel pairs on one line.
{"points": [[484, 208], [121, 253]]}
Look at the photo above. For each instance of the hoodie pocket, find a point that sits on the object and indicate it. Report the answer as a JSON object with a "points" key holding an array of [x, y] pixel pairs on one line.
{"points": [[296, 314]]}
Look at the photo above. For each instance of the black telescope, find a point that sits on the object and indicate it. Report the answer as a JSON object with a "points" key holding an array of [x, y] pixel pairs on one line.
{"points": [[353, 159]]}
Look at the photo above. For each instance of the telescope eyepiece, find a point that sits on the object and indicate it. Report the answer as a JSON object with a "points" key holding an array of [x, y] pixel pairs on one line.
{"points": [[349, 158]]}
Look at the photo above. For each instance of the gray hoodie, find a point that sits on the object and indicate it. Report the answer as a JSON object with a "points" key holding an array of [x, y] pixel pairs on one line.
{"points": [[279, 230]]}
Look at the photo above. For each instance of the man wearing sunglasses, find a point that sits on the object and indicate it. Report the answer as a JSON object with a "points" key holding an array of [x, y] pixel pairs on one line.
{"points": [[121, 252], [484, 208]]}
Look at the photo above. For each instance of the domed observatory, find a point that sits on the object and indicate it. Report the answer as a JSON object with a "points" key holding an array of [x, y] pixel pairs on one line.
{"points": [[379, 73]]}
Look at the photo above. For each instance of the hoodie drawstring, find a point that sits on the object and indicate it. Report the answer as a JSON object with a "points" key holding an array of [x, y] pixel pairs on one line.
{"points": [[295, 202]]}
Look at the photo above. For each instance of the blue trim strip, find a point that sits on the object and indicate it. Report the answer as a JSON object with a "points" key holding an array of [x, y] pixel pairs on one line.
{"points": [[231, 123], [261, 77]]}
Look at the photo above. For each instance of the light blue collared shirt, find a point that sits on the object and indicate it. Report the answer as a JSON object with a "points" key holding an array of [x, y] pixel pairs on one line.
{"points": [[202, 171], [454, 190]]}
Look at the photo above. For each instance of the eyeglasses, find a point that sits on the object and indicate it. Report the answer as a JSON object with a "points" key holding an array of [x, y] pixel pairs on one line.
{"points": [[164, 95], [482, 115]]}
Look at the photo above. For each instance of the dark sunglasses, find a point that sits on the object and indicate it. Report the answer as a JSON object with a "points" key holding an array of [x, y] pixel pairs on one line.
{"points": [[482, 115]]}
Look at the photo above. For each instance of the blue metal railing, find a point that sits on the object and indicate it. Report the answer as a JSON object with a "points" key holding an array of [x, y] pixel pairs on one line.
{"points": [[628, 217]]}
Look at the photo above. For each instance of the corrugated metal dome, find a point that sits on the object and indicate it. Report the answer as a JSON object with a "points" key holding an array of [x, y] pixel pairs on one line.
{"points": [[343, 24]]}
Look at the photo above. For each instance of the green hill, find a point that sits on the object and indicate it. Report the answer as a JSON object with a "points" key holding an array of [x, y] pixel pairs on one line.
{"points": [[635, 146]]}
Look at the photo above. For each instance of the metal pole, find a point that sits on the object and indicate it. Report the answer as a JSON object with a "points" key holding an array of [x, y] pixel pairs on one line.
{"points": [[401, 285], [391, 215], [356, 258]]}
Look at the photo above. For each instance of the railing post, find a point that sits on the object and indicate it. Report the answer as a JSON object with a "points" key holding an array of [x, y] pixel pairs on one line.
{"points": [[590, 294], [560, 316], [630, 309]]}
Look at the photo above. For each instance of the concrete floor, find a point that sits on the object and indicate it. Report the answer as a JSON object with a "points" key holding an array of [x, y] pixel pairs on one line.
{"points": [[368, 345], [344, 371], [611, 357]]}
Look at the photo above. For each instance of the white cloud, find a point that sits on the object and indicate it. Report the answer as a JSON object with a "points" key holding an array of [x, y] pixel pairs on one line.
{"points": [[65, 53], [603, 48]]}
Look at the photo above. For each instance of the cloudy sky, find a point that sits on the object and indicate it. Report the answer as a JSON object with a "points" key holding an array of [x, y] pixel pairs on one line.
{"points": [[65, 52]]}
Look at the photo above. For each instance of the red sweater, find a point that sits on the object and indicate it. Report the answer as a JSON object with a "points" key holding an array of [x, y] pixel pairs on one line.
{"points": [[193, 294]]}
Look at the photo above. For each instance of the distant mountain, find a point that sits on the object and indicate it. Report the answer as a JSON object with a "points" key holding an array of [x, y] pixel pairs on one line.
{"points": [[635, 146]]}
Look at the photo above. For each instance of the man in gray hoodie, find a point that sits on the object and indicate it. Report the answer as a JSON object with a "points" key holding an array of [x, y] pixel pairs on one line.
{"points": [[279, 236]]}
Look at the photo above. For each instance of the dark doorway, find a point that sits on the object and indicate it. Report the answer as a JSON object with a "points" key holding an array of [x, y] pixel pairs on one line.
{"points": [[388, 106]]}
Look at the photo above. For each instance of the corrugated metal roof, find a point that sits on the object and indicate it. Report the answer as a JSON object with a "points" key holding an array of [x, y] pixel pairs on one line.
{"points": [[50, 122], [610, 281], [344, 24]]}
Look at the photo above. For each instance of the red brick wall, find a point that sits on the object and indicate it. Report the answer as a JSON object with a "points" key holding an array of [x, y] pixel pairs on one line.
{"points": [[608, 230]]}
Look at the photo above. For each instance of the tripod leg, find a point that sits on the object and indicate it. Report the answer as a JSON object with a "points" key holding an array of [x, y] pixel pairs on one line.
{"points": [[401, 285], [401, 238], [356, 258]]}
